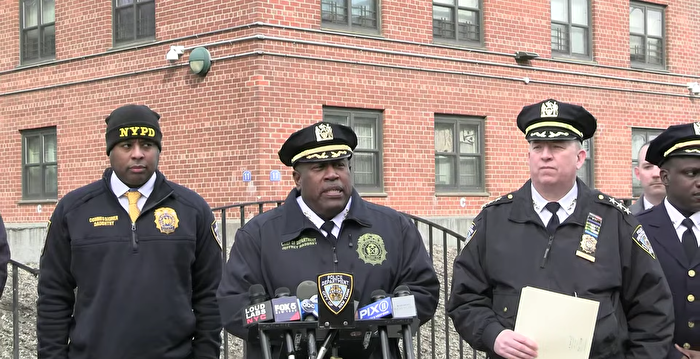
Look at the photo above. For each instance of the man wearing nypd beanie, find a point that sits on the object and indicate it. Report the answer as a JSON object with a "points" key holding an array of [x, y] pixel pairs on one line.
{"points": [[131, 262]]}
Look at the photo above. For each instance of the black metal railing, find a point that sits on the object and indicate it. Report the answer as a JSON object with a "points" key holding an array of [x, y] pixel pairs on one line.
{"points": [[443, 245]]}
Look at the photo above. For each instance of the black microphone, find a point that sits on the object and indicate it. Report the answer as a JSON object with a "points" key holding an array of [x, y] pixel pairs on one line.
{"points": [[404, 305], [306, 291], [286, 309], [259, 310], [378, 295]]}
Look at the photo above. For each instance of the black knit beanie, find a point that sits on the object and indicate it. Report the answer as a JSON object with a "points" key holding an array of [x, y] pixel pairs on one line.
{"points": [[132, 121]]}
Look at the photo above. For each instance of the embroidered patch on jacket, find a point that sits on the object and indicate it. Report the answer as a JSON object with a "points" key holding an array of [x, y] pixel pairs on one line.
{"points": [[370, 248], [298, 243], [166, 220], [472, 231], [103, 221], [215, 233], [640, 237]]}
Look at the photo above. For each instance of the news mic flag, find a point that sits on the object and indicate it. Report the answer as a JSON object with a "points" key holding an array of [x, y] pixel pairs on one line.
{"points": [[259, 310]]}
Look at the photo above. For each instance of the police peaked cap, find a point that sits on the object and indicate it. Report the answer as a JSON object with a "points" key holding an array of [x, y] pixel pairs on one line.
{"points": [[551, 120], [323, 141], [677, 140]]}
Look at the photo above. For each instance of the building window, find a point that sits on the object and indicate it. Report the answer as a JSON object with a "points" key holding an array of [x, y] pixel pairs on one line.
{"points": [[459, 154], [586, 173], [38, 36], [355, 15], [39, 177], [134, 20], [646, 35], [640, 136], [457, 21], [571, 32], [366, 159]]}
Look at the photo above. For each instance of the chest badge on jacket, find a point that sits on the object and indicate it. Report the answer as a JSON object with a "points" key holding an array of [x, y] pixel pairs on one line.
{"points": [[589, 239], [166, 220], [370, 248]]}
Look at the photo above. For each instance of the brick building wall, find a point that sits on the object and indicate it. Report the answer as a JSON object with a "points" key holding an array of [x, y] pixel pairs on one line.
{"points": [[275, 67]]}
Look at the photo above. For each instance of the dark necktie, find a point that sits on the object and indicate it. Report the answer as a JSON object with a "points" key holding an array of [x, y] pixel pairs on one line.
{"points": [[328, 227], [554, 221], [690, 243]]}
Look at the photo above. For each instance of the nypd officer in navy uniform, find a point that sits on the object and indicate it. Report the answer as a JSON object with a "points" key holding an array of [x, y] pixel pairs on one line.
{"points": [[131, 262], [674, 229], [291, 243], [556, 234]]}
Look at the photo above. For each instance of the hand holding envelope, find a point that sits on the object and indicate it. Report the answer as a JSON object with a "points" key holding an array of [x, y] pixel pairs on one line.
{"points": [[561, 325]]}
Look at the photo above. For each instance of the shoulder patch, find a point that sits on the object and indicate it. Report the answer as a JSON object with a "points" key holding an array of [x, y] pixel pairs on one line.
{"points": [[499, 200], [610, 201], [472, 230], [216, 234], [640, 237]]}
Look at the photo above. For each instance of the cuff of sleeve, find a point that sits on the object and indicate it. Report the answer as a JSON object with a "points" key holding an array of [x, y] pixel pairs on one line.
{"points": [[490, 333]]}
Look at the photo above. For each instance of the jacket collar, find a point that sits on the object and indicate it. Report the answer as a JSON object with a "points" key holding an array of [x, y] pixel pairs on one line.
{"points": [[295, 221], [161, 188], [523, 211], [658, 225]]}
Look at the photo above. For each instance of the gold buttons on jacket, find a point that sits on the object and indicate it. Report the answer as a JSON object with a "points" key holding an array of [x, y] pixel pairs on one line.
{"points": [[691, 273], [691, 324], [691, 298], [505, 309], [686, 346]]}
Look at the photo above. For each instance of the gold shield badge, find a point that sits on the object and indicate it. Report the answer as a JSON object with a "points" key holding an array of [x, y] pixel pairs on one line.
{"points": [[370, 248], [166, 220]]}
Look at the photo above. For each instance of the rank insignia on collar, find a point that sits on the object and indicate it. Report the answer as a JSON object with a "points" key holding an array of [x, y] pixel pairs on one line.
{"points": [[166, 220]]}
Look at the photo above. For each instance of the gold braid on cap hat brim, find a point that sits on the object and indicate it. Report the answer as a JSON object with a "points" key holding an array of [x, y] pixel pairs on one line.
{"points": [[554, 124], [321, 149], [681, 145]]}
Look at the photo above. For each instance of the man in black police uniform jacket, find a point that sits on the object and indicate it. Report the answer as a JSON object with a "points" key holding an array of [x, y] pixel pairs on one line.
{"points": [[673, 228], [556, 234], [4, 256], [141, 252], [285, 246]]}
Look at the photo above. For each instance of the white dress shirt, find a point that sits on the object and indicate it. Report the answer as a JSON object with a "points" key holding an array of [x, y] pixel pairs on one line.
{"points": [[120, 189]]}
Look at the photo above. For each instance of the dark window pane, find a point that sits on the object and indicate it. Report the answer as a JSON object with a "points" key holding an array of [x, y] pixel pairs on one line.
{"points": [[637, 48], [560, 10], [444, 170], [146, 20], [469, 174], [443, 23], [48, 43], [33, 148], [34, 185], [50, 180], [579, 41], [124, 23], [30, 44], [364, 13], [560, 38], [334, 118], [334, 11], [468, 25], [656, 51], [30, 11], [47, 10], [364, 168], [50, 148]]}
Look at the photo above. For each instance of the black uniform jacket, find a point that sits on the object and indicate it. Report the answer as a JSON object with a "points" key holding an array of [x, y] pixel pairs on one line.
{"points": [[506, 253], [4, 256], [282, 248], [683, 275], [145, 291]]}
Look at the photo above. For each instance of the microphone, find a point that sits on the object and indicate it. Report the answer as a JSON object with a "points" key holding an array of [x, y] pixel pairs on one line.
{"points": [[404, 304], [286, 309], [259, 310], [306, 291], [379, 308], [377, 296]]}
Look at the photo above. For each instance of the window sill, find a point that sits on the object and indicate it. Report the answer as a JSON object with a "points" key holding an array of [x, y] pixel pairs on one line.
{"points": [[346, 30], [37, 201], [462, 194], [574, 60], [36, 63], [373, 194], [648, 68], [131, 44], [460, 44]]}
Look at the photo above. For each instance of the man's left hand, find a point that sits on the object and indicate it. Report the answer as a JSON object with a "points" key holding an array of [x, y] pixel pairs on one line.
{"points": [[690, 354]]}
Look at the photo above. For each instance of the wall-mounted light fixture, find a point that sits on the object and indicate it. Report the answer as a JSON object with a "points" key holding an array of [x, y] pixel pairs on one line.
{"points": [[694, 88], [524, 56], [200, 61], [174, 53]]}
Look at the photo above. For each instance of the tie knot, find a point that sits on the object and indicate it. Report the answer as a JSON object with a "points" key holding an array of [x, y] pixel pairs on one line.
{"points": [[552, 207], [133, 196], [328, 227], [688, 223]]}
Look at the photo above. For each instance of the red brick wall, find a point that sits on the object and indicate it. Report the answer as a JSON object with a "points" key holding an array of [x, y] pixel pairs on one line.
{"points": [[237, 117]]}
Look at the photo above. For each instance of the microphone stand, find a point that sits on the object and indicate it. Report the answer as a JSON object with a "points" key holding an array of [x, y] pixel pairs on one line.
{"points": [[407, 342], [265, 344]]}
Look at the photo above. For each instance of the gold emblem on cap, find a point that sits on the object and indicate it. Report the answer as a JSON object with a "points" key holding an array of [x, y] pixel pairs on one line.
{"points": [[549, 109], [324, 132], [696, 126]]}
